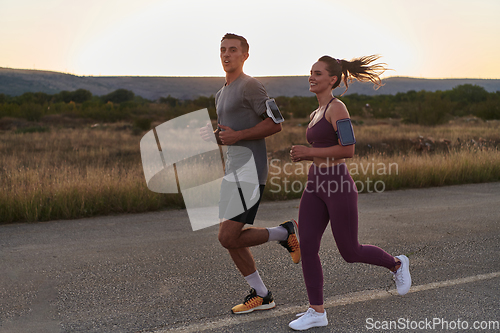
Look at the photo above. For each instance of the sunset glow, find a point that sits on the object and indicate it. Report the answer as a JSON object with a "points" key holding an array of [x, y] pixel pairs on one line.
{"points": [[429, 39]]}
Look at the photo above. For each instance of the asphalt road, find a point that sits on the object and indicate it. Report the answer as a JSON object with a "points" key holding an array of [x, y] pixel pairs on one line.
{"points": [[151, 273]]}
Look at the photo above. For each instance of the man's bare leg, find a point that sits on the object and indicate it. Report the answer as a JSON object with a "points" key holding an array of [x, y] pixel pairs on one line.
{"points": [[238, 240], [243, 260]]}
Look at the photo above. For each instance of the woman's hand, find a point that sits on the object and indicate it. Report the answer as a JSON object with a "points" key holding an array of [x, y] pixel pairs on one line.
{"points": [[300, 153]]}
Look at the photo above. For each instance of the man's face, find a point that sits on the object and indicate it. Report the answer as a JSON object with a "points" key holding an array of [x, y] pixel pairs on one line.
{"points": [[232, 55]]}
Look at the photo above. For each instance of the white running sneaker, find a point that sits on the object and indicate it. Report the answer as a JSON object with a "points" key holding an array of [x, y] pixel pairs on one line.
{"points": [[402, 275], [309, 319]]}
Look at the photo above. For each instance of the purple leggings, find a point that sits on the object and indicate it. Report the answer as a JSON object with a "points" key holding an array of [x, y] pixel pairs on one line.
{"points": [[331, 195]]}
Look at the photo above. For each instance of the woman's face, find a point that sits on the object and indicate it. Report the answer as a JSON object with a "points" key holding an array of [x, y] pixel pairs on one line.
{"points": [[320, 80]]}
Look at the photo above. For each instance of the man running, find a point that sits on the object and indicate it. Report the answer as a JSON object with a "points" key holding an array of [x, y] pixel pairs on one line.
{"points": [[243, 122]]}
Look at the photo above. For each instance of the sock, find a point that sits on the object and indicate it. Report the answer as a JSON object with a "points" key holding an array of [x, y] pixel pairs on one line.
{"points": [[256, 283], [278, 233]]}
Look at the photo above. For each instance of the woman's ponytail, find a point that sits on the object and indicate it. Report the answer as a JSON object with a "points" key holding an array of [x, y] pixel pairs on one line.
{"points": [[360, 69]]}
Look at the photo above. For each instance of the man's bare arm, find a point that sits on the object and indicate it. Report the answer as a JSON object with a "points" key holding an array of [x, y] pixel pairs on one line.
{"points": [[262, 130]]}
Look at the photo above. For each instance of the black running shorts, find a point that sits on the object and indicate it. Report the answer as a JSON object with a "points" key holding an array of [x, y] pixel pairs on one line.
{"points": [[235, 197]]}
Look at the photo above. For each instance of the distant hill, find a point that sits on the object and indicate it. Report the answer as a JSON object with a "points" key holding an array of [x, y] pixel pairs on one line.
{"points": [[15, 82]]}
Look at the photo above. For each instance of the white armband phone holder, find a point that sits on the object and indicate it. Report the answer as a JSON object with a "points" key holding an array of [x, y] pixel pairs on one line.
{"points": [[273, 112]]}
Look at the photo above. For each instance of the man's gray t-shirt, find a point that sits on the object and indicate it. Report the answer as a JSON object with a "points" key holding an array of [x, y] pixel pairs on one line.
{"points": [[239, 106]]}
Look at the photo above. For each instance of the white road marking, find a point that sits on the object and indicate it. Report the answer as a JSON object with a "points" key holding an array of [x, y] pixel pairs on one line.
{"points": [[346, 299]]}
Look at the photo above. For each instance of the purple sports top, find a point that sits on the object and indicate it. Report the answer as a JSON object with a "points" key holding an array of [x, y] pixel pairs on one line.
{"points": [[322, 134]]}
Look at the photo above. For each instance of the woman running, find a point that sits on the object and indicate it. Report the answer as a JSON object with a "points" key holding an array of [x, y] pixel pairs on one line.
{"points": [[330, 193]]}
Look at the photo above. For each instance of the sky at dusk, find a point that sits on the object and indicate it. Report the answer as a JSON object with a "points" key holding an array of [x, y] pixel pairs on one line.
{"points": [[427, 39]]}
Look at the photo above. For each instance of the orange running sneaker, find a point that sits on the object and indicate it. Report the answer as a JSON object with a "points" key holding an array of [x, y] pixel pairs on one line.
{"points": [[253, 302], [292, 242]]}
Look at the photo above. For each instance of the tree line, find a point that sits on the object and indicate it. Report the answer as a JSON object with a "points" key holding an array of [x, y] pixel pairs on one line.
{"points": [[417, 107]]}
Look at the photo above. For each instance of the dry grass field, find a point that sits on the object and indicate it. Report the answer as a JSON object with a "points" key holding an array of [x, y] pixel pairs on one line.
{"points": [[66, 173]]}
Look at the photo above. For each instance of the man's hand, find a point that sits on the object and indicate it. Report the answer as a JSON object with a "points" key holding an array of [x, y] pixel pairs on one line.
{"points": [[228, 136], [207, 133]]}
